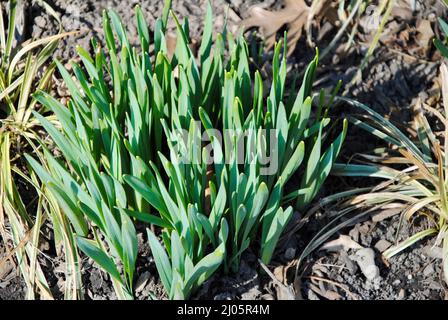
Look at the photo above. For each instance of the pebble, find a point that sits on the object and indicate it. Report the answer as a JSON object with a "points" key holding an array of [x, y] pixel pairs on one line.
{"points": [[290, 253], [401, 294], [348, 263], [40, 22], [354, 234], [382, 245], [223, 296], [252, 294], [433, 252], [429, 270], [364, 228], [366, 262], [141, 281], [433, 285]]}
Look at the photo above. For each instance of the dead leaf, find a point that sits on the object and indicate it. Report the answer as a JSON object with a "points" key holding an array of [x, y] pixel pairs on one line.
{"points": [[332, 295], [285, 292], [5, 269], [267, 296], [141, 281], [402, 10], [343, 242], [279, 274], [386, 214], [424, 35], [294, 15]]}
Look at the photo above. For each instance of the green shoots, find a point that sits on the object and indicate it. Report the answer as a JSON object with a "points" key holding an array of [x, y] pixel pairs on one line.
{"points": [[189, 145]]}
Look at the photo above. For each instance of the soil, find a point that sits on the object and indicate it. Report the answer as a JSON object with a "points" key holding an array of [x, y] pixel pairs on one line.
{"points": [[401, 71], [414, 274]]}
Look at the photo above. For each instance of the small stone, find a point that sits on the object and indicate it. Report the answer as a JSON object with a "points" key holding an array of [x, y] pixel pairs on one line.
{"points": [[40, 22], [409, 276], [354, 234], [366, 262], [252, 294], [429, 270], [401, 294], [141, 281], [433, 285], [223, 296], [396, 282], [433, 252], [382, 245], [348, 263], [290, 253], [364, 228], [342, 243]]}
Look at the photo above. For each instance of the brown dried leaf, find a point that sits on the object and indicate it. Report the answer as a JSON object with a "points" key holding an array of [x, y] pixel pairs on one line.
{"points": [[279, 274], [294, 15], [424, 35], [402, 10], [285, 292], [386, 214]]}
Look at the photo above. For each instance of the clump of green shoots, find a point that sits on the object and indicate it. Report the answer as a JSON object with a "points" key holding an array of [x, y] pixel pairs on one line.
{"points": [[126, 160]]}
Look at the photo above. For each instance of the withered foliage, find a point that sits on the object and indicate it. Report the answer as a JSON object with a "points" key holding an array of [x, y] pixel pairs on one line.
{"points": [[296, 15]]}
